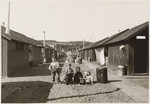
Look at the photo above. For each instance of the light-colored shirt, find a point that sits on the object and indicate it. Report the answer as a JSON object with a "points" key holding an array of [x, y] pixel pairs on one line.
{"points": [[89, 79], [53, 66]]}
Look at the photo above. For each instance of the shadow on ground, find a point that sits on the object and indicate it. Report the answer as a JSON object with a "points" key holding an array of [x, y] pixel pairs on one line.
{"points": [[38, 70], [27, 92], [114, 81], [84, 95], [33, 71]]}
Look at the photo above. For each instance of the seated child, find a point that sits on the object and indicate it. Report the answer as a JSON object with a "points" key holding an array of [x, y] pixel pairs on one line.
{"points": [[77, 75], [88, 78], [68, 74], [67, 61]]}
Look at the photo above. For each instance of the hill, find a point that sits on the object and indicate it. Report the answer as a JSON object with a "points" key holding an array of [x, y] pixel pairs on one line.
{"points": [[67, 46]]}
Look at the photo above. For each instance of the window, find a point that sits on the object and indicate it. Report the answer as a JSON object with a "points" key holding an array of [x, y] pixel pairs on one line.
{"points": [[19, 46]]}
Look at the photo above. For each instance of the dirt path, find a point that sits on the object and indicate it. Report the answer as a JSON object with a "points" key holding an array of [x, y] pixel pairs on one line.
{"points": [[35, 86], [97, 93]]}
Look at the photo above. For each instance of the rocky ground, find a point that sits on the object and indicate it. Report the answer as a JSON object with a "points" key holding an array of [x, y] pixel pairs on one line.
{"points": [[41, 90]]}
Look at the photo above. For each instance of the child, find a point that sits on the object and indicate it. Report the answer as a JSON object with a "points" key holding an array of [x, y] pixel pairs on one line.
{"points": [[54, 69], [67, 61], [68, 75], [77, 75], [88, 78]]}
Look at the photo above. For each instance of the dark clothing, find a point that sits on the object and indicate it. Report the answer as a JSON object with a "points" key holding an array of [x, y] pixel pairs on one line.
{"points": [[69, 78], [54, 74], [70, 70], [77, 77], [68, 74]]}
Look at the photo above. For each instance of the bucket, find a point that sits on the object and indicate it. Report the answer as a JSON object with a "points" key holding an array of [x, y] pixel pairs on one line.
{"points": [[89, 59], [121, 70], [44, 59]]}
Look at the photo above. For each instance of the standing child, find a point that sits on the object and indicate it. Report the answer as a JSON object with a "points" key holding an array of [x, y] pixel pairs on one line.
{"points": [[54, 69], [78, 75]]}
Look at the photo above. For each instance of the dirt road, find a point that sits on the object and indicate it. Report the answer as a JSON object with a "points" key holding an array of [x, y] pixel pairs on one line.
{"points": [[34, 85]]}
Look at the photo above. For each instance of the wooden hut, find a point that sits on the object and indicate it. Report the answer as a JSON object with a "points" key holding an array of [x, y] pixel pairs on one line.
{"points": [[48, 53], [101, 49], [130, 49], [90, 52], [35, 52], [55, 54], [15, 50], [81, 53]]}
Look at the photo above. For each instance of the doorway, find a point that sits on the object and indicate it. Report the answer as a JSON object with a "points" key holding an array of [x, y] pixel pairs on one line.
{"points": [[141, 56]]}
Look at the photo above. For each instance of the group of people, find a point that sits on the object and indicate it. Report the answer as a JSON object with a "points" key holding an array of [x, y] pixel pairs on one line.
{"points": [[70, 77]]}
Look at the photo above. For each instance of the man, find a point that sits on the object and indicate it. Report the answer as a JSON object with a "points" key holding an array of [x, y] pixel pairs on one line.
{"points": [[54, 69]]}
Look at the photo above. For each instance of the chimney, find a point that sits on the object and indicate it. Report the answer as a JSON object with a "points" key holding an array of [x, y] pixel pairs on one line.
{"points": [[3, 29], [3, 24], [7, 29]]}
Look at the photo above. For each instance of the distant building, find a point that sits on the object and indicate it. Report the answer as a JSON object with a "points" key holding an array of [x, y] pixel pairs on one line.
{"points": [[49, 53]]}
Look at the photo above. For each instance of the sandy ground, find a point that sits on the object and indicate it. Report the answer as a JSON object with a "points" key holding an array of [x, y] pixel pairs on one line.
{"points": [[41, 89], [141, 82], [97, 93], [137, 81]]}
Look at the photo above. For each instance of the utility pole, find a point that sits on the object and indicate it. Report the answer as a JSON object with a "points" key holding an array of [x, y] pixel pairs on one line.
{"points": [[83, 43], [44, 59], [90, 39], [7, 29], [44, 40]]}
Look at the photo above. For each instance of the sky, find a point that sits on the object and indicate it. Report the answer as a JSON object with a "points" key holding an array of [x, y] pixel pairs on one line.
{"points": [[73, 20]]}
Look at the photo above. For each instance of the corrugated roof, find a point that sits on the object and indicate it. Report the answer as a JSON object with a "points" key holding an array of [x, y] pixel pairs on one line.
{"points": [[110, 38], [6, 36], [48, 47], [128, 34], [14, 36], [93, 44], [35, 42], [20, 37]]}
